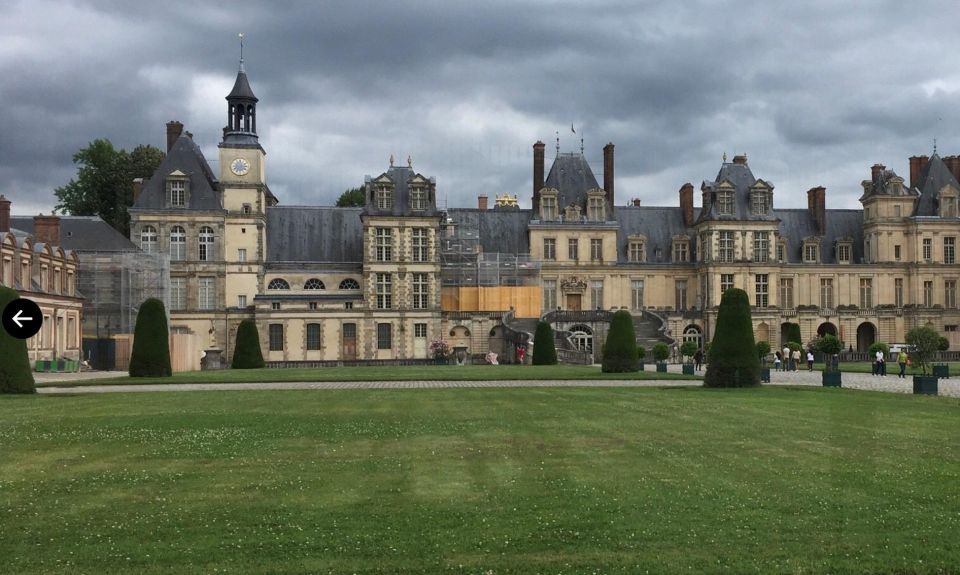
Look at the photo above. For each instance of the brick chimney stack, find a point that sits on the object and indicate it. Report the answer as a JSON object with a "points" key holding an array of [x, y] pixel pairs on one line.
{"points": [[608, 172], [538, 150], [686, 203], [4, 214], [174, 129], [875, 171], [817, 206], [137, 188], [740, 159], [635, 202], [482, 202], [953, 164], [46, 229], [917, 163]]}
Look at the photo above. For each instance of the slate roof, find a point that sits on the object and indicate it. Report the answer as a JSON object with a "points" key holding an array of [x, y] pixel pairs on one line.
{"points": [[400, 176], [501, 231], [314, 234], [934, 177], [742, 178], [797, 224], [185, 156], [659, 224], [241, 88], [82, 234], [571, 175]]}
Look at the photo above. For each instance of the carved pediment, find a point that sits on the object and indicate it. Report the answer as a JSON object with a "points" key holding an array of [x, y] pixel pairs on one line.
{"points": [[573, 284]]}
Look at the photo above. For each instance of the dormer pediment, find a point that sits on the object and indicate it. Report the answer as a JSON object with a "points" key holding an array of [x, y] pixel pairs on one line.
{"points": [[947, 191], [418, 179], [726, 185], [762, 185], [383, 179], [176, 174]]}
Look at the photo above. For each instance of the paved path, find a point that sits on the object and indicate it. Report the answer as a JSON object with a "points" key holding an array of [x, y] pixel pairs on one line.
{"points": [[890, 383]]}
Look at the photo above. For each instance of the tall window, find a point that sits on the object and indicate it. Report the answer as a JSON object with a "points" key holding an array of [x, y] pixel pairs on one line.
{"points": [[811, 253], [680, 294], [786, 292], [548, 208], [596, 249], [950, 294], [725, 247], [681, 251], [419, 330], [636, 251], [549, 248], [866, 293], [148, 239], [596, 293], [418, 199], [384, 287], [207, 293], [573, 249], [826, 293], [384, 336], [384, 198], [762, 290], [705, 247], [759, 203], [726, 282], [178, 244], [636, 290], [420, 246], [178, 193], [782, 252], [384, 243], [420, 291], [949, 250], [595, 209], [241, 254], [927, 294], [761, 246], [898, 292], [178, 293], [276, 337], [549, 295], [242, 300], [725, 203], [927, 249], [206, 243], [896, 252], [313, 336]]}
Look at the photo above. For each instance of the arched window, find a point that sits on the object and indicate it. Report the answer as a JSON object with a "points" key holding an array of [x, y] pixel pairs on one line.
{"points": [[178, 244], [148, 239], [278, 283], [314, 283], [694, 334], [206, 243], [349, 283], [582, 337]]}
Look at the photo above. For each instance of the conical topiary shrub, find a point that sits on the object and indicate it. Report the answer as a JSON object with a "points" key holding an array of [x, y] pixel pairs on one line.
{"points": [[733, 355], [247, 353], [544, 349], [151, 344], [15, 374], [620, 350], [793, 333]]}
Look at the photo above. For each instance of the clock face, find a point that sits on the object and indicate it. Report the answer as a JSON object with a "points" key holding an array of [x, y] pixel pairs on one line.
{"points": [[240, 167]]}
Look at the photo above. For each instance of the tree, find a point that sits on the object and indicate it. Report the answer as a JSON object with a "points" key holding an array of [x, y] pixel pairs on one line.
{"points": [[544, 350], [247, 353], [15, 373], [104, 183], [881, 347], [351, 198], [943, 344], [829, 346], [763, 349], [620, 351], [688, 348], [923, 342], [661, 352], [641, 352], [151, 345], [733, 355]]}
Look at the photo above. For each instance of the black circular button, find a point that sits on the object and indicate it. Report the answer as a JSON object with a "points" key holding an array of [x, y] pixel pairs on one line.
{"points": [[22, 318]]}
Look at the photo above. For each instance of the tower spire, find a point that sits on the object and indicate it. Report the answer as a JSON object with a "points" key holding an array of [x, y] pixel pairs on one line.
{"points": [[241, 51]]}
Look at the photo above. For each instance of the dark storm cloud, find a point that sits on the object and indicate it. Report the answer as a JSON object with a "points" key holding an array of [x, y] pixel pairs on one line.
{"points": [[814, 93]]}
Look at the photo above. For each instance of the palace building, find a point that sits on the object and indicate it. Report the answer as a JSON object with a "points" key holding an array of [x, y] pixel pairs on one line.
{"points": [[382, 281]]}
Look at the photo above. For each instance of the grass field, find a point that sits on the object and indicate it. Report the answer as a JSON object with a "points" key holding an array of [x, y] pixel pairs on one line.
{"points": [[571, 480], [393, 373]]}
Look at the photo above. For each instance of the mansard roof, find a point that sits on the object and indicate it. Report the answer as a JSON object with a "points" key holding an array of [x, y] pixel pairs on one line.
{"points": [[658, 224], [795, 225], [82, 234], [186, 158], [572, 177], [314, 234], [400, 178], [501, 231], [934, 177], [738, 176]]}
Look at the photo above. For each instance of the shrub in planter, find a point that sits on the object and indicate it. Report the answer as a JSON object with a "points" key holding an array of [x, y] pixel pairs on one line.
{"points": [[544, 349], [830, 346], [733, 355], [247, 353], [661, 352], [151, 344], [687, 349], [620, 349], [641, 354], [15, 374], [924, 343]]}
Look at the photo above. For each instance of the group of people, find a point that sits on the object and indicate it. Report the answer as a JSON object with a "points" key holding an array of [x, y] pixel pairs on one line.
{"points": [[788, 360], [880, 363]]}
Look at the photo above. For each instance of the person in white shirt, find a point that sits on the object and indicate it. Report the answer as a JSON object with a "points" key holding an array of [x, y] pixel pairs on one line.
{"points": [[809, 361], [786, 358], [881, 364]]}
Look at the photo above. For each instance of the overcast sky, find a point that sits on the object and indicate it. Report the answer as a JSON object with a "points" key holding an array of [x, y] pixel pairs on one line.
{"points": [[813, 92]]}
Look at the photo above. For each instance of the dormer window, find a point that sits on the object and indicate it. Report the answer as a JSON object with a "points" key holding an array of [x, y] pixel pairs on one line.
{"points": [[596, 205], [844, 251], [177, 191], [572, 213], [681, 249], [759, 203], [384, 196], [725, 203], [811, 251], [782, 251], [948, 204], [637, 249], [148, 239], [418, 199], [548, 205]]}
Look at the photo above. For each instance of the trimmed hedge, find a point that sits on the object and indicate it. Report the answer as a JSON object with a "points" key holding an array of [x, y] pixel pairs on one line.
{"points": [[733, 355], [15, 373], [151, 342], [544, 349], [247, 353], [793, 333], [620, 351]]}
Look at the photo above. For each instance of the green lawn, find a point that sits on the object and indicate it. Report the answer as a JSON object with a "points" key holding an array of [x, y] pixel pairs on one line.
{"points": [[402, 373], [531, 480]]}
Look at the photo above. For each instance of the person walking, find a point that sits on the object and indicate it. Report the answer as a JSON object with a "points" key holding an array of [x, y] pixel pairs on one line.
{"points": [[786, 358], [777, 357], [881, 364], [796, 359], [809, 360], [698, 360], [902, 361]]}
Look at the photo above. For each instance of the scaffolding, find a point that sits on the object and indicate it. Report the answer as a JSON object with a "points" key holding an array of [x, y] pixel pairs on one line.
{"points": [[114, 284]]}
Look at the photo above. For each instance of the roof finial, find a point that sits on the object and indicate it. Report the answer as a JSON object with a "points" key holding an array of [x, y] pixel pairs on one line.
{"points": [[391, 160], [934, 146], [409, 161], [724, 157], [241, 51], [558, 142]]}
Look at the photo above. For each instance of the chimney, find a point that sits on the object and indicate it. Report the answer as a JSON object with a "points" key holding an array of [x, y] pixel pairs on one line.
{"points": [[137, 188], [174, 129], [538, 150], [46, 229], [482, 202], [608, 172], [953, 164], [817, 206], [875, 171], [635, 202], [686, 203], [916, 167], [740, 159], [4, 214]]}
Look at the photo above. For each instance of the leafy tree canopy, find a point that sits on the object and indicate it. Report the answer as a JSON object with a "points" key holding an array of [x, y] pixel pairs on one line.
{"points": [[104, 182], [351, 198], [923, 342]]}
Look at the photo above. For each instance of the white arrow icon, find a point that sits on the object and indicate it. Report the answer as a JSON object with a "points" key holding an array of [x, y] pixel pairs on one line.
{"points": [[17, 318]]}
